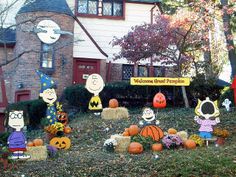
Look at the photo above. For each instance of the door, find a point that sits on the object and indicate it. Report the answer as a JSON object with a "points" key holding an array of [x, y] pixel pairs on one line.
{"points": [[83, 68], [23, 95]]}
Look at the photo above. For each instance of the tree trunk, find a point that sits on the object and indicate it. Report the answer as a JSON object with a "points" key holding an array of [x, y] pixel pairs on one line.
{"points": [[186, 103], [229, 41]]}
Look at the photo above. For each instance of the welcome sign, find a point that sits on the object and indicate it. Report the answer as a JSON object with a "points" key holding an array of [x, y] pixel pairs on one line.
{"points": [[163, 81]]}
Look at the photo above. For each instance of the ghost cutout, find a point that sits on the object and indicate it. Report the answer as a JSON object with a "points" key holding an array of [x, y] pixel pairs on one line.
{"points": [[226, 104], [209, 111]]}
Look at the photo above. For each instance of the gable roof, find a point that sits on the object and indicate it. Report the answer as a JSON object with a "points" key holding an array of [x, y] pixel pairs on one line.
{"points": [[7, 36], [145, 1], [57, 6]]}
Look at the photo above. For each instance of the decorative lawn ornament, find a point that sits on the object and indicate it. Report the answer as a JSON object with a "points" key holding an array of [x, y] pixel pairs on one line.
{"points": [[17, 140], [62, 117], [149, 128], [190, 144], [226, 104], [135, 148], [172, 131], [208, 110], [95, 84], [49, 96], [60, 142], [113, 103], [157, 147], [159, 101]]}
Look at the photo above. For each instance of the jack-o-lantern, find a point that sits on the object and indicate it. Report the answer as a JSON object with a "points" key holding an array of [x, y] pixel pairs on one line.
{"points": [[159, 101], [62, 117], [60, 142]]}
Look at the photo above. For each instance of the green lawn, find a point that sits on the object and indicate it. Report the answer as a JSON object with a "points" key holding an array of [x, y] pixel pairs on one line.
{"points": [[87, 156]]}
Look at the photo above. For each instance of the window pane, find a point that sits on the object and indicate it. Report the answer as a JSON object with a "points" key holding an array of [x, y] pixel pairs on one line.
{"points": [[107, 8], [47, 56], [159, 71], [82, 6], [142, 71], [92, 7], [118, 9], [127, 71]]}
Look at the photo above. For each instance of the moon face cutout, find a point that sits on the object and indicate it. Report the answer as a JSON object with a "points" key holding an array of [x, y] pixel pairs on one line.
{"points": [[47, 34]]}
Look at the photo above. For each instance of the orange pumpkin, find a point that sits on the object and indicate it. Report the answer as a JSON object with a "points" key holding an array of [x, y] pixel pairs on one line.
{"points": [[30, 144], [157, 147], [159, 101], [113, 103], [153, 131], [135, 148], [125, 133], [62, 117], [67, 130], [38, 142], [190, 144], [60, 142], [133, 130], [172, 131]]}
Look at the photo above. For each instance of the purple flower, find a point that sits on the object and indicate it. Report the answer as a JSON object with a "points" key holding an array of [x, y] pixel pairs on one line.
{"points": [[172, 141]]}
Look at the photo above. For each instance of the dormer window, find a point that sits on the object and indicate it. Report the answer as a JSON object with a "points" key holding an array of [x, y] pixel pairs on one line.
{"points": [[101, 8]]}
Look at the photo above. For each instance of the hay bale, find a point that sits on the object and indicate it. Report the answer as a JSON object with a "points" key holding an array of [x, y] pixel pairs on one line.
{"points": [[115, 113], [37, 153], [123, 142]]}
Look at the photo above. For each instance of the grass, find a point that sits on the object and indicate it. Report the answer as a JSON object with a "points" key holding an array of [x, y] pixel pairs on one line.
{"points": [[87, 156]]}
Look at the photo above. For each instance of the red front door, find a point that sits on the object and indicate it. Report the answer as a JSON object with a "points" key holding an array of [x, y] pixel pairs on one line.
{"points": [[22, 95], [83, 68]]}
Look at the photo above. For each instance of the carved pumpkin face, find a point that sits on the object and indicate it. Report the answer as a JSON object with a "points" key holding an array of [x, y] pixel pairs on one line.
{"points": [[62, 117], [60, 142], [159, 101]]}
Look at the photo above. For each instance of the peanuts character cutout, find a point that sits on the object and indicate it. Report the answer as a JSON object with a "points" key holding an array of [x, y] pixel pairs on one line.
{"points": [[95, 84], [49, 96], [210, 112], [17, 141], [150, 128]]}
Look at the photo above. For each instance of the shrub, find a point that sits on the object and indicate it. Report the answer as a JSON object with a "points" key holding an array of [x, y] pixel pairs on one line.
{"points": [[34, 111]]}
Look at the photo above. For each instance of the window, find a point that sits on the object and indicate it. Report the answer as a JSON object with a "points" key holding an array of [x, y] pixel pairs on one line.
{"points": [[127, 71], [88, 6], [112, 8], [143, 71], [47, 56], [159, 71]]}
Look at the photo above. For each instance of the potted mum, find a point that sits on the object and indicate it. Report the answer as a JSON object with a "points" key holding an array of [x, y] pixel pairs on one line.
{"points": [[172, 141], [221, 135]]}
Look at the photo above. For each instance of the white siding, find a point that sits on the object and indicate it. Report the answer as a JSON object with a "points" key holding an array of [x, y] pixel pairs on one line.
{"points": [[103, 31]]}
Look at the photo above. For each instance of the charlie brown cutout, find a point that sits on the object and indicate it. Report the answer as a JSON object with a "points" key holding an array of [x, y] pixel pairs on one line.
{"points": [[95, 84], [49, 96]]}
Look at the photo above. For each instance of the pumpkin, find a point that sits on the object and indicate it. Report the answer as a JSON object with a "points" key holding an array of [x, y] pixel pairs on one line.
{"points": [[157, 147], [60, 142], [172, 131], [38, 142], [135, 148], [67, 130], [159, 101], [30, 144], [113, 103], [190, 144], [133, 130], [153, 131], [125, 133], [62, 117]]}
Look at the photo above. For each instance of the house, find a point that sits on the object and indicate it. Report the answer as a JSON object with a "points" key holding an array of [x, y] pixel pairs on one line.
{"points": [[69, 40]]}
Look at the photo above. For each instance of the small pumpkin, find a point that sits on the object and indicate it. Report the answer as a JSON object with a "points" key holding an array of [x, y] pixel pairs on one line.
{"points": [[190, 144], [135, 148], [30, 144], [62, 117], [60, 142], [157, 147], [133, 130], [172, 131], [159, 101], [67, 130], [125, 133], [113, 103], [38, 142], [153, 131]]}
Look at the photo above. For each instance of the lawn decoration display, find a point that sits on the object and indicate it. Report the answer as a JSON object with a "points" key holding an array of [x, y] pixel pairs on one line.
{"points": [[49, 96], [95, 84], [17, 140], [208, 110], [62, 116], [150, 128], [226, 104], [159, 101], [60, 142]]}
